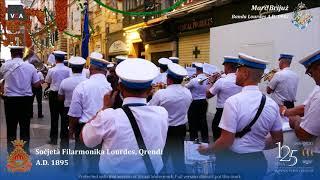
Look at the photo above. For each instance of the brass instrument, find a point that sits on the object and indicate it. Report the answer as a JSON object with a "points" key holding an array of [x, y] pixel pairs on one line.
{"points": [[211, 78], [268, 76], [158, 86], [187, 79]]}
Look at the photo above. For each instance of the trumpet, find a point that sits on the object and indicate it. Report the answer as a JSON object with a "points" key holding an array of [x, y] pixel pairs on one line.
{"points": [[212, 78], [268, 76]]}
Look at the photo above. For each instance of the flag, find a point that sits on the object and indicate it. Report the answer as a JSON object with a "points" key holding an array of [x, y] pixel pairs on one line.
{"points": [[85, 35]]}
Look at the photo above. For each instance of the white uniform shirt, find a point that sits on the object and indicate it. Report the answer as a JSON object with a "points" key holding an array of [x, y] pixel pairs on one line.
{"points": [[315, 89], [224, 88], [311, 121], [284, 85], [68, 85], [51, 59], [41, 77], [112, 127], [176, 99], [240, 109], [56, 75], [19, 77], [86, 72], [198, 90], [87, 97], [161, 78]]}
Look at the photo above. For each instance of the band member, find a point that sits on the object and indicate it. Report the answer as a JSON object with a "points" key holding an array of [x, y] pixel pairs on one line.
{"points": [[114, 127], [223, 88], [18, 77], [284, 84], [113, 79], [51, 59], [119, 59], [162, 77], [66, 89], [54, 77], [87, 100], [174, 59], [307, 128], [298, 110], [176, 99], [37, 93], [197, 113], [248, 117]]}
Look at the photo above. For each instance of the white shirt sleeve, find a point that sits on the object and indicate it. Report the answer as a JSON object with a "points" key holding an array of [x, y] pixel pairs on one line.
{"points": [[61, 88], [190, 84], [75, 109], [41, 77], [100, 127], [156, 99], [229, 117], [48, 77], [274, 82], [215, 89], [35, 77], [277, 125], [311, 122]]}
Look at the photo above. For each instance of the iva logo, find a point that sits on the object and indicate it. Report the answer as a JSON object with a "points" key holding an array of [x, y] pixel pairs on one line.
{"points": [[285, 154], [17, 16]]}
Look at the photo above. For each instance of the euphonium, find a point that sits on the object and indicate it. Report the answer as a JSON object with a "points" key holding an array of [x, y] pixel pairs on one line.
{"points": [[268, 76]]}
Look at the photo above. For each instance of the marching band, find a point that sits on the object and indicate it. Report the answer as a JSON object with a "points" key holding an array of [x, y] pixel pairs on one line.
{"points": [[106, 107]]}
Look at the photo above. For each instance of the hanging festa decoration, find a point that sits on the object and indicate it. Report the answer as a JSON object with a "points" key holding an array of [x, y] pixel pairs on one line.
{"points": [[148, 13], [61, 15]]}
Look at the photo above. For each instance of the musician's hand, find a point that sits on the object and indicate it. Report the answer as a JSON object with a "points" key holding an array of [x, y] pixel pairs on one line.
{"points": [[282, 110], [214, 77], [293, 120], [203, 149]]}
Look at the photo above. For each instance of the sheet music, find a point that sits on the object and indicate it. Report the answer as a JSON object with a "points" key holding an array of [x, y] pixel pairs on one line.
{"points": [[191, 71], [192, 154], [285, 124], [210, 69]]}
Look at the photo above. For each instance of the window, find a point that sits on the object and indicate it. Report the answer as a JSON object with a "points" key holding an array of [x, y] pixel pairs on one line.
{"points": [[132, 4]]}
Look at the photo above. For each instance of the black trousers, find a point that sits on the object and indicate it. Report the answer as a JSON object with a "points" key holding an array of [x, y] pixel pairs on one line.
{"points": [[216, 131], [197, 119], [288, 104], [56, 110], [64, 131], [93, 160], [18, 110], [37, 93], [248, 165], [174, 148]]}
